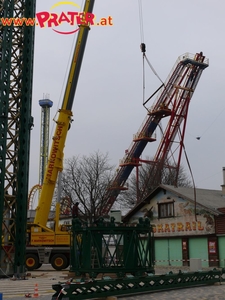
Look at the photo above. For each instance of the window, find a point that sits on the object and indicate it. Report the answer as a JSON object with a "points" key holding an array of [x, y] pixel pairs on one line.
{"points": [[166, 210]]}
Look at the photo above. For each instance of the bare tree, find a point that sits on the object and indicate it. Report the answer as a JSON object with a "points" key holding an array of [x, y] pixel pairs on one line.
{"points": [[85, 180], [149, 177]]}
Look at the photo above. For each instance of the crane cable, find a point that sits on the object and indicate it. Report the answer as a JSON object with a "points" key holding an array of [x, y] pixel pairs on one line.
{"points": [[192, 177], [153, 70], [141, 20], [143, 50], [210, 126], [142, 46], [194, 186]]}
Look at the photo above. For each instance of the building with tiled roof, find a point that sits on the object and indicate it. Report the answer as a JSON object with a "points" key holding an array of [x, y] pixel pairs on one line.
{"points": [[187, 223]]}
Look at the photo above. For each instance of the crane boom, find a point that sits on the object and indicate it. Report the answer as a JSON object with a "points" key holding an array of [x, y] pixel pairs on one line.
{"points": [[55, 162]]}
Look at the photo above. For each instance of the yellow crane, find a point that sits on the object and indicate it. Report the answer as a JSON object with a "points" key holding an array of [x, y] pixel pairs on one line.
{"points": [[46, 245]]}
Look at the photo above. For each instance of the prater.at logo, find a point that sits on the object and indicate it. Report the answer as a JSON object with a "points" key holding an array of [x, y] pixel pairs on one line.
{"points": [[73, 18], [63, 22]]}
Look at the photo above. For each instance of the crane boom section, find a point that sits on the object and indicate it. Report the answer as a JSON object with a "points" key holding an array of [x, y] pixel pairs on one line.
{"points": [[55, 161], [77, 58]]}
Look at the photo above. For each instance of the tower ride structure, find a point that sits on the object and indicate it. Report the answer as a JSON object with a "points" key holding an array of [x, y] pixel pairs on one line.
{"points": [[16, 75], [45, 104], [171, 102]]}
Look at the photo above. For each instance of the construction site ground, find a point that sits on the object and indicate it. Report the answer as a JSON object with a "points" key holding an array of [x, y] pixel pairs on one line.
{"points": [[38, 284]]}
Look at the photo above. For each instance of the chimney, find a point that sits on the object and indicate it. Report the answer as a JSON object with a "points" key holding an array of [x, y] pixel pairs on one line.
{"points": [[223, 185]]}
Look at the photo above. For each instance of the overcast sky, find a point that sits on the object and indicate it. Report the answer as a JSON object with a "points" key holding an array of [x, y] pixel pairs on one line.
{"points": [[108, 106]]}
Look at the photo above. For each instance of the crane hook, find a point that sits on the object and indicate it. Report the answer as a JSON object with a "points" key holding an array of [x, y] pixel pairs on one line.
{"points": [[143, 47]]}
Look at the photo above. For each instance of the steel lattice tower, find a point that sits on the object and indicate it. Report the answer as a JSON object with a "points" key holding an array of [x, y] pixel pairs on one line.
{"points": [[172, 102], [16, 73], [45, 104]]}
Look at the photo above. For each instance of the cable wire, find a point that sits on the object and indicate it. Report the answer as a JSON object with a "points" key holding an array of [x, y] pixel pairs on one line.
{"points": [[210, 126], [153, 70], [141, 20], [143, 78], [143, 50], [192, 176], [142, 45]]}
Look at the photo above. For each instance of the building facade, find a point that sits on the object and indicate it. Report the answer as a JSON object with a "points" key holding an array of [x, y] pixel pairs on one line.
{"points": [[187, 224]]}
